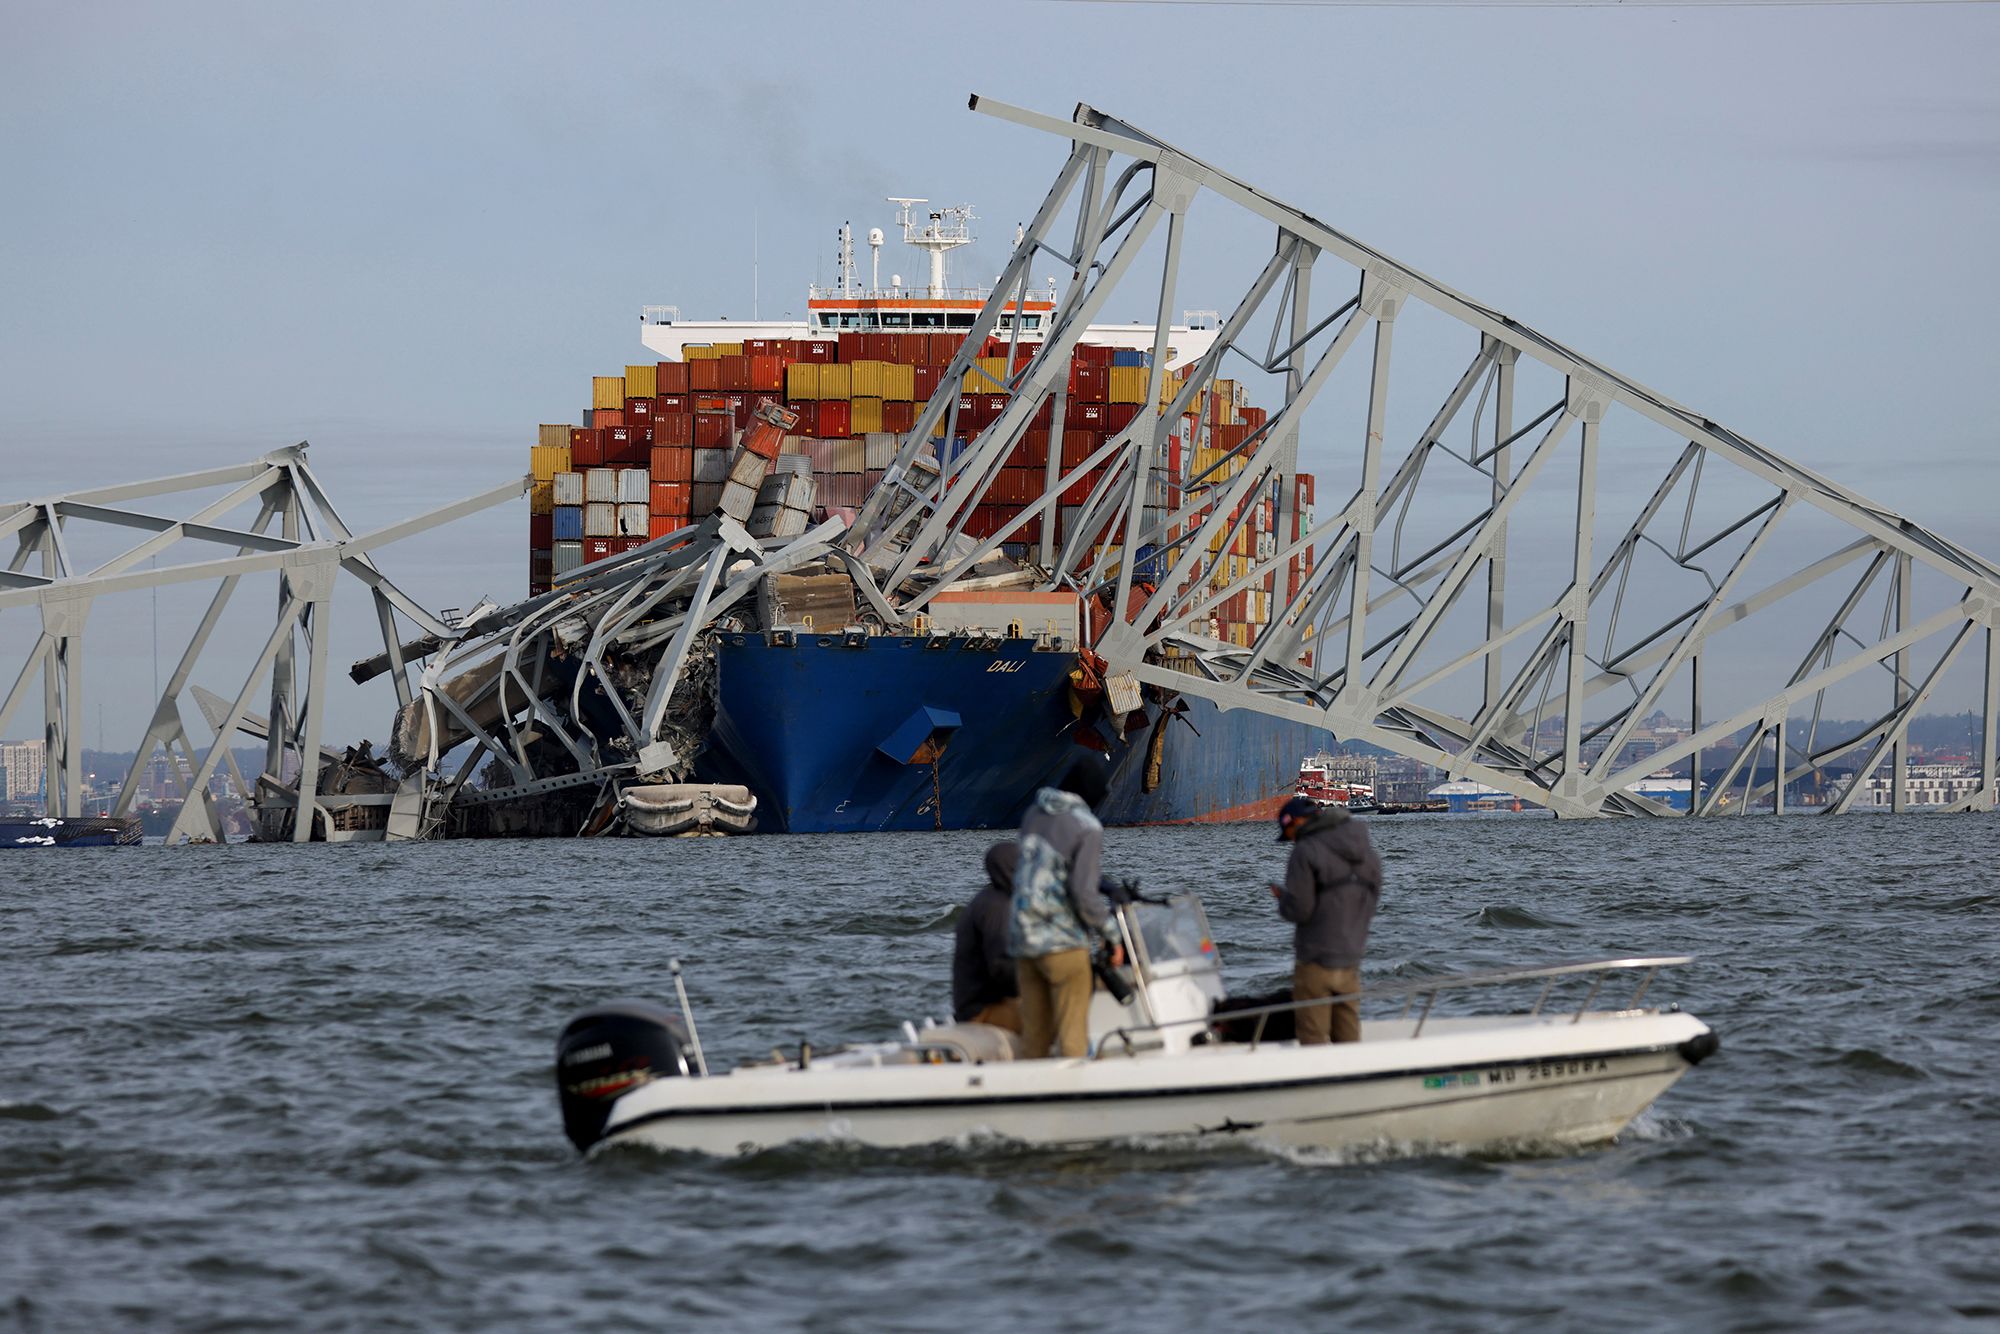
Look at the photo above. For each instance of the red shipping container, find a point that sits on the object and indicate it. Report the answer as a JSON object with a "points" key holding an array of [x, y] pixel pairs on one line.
{"points": [[898, 417], [541, 532], [832, 418], [759, 347], [739, 409], [819, 350], [1078, 446], [1093, 354], [877, 347], [673, 377], [704, 376], [586, 447], [763, 439], [1031, 452], [766, 374], [1088, 384], [852, 348], [1117, 416], [660, 525], [735, 373], [671, 463], [638, 411], [642, 437], [927, 382], [1305, 481], [597, 548], [617, 444], [677, 429], [668, 405], [1085, 416], [1079, 490], [671, 497], [603, 417], [711, 431]]}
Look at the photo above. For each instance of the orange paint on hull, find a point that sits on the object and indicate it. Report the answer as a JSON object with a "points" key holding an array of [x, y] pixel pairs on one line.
{"points": [[1266, 809]]}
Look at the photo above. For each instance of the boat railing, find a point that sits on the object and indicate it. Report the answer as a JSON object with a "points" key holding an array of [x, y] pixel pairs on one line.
{"points": [[1428, 990]]}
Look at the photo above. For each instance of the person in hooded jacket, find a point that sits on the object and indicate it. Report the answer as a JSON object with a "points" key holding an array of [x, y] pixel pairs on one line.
{"points": [[1059, 911], [1332, 884], [984, 989]]}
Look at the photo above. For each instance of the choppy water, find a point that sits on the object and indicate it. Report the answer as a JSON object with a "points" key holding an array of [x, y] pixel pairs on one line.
{"points": [[255, 1088]]}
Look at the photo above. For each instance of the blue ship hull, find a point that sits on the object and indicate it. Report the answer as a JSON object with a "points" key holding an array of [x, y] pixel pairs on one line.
{"points": [[906, 733]]}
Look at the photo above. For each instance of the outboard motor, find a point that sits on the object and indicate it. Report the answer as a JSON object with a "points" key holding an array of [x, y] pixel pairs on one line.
{"points": [[605, 1053]]}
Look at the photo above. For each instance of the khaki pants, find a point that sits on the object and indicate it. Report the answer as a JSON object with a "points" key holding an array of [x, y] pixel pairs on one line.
{"points": [[1055, 1003], [1343, 1021], [1001, 1014]]}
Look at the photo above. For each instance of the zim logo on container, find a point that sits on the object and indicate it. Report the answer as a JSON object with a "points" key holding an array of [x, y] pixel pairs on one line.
{"points": [[1004, 667]]}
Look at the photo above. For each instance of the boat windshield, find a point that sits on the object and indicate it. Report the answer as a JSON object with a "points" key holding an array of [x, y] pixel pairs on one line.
{"points": [[1174, 936]]}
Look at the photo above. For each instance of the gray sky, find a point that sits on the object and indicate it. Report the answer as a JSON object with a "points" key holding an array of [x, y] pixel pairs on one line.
{"points": [[410, 233]]}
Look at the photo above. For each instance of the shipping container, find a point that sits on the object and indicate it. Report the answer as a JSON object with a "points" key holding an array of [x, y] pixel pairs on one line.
{"points": [[880, 449], [705, 376], [850, 456], [600, 518], [738, 499], [639, 411], [671, 463], [607, 391], [554, 437], [747, 469], [567, 554], [832, 417], [836, 381], [709, 465], [662, 525], [545, 461], [867, 415], [642, 381], [631, 486], [711, 431], [542, 498], [566, 522], [600, 484], [707, 495], [671, 377], [634, 520], [670, 497], [597, 548], [541, 531], [899, 418], [568, 488], [676, 431]]}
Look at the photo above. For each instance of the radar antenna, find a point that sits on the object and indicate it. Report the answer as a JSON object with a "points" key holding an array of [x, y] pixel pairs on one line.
{"points": [[943, 231]]}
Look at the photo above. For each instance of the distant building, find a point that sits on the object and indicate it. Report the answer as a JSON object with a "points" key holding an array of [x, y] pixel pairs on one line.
{"points": [[23, 765], [1923, 785]]}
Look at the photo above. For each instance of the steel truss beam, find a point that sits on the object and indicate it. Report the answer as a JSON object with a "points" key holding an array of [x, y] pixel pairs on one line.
{"points": [[310, 549], [1366, 644]]}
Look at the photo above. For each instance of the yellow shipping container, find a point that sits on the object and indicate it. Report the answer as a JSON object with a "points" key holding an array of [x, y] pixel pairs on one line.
{"points": [[555, 436], [700, 352], [836, 381], [1128, 384], [802, 380], [642, 381], [902, 384], [729, 349], [542, 498], [607, 391], [869, 381], [545, 461], [867, 414]]}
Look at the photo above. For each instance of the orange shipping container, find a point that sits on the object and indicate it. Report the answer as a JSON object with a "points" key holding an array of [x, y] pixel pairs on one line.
{"points": [[671, 498], [671, 463]]}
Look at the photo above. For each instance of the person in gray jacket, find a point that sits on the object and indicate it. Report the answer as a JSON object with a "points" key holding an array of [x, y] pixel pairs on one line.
{"points": [[1332, 884], [1059, 911]]}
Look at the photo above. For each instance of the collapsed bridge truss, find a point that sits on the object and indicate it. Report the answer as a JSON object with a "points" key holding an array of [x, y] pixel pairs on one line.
{"points": [[1741, 587]]}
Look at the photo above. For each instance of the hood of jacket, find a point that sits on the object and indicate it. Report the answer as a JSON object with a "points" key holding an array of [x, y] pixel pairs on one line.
{"points": [[1001, 859], [1329, 817], [1055, 801]]}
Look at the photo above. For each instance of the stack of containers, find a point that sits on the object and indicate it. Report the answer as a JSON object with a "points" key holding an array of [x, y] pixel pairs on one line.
{"points": [[655, 452]]}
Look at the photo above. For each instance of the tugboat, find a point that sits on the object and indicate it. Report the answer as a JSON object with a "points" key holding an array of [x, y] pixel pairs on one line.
{"points": [[1318, 784]]}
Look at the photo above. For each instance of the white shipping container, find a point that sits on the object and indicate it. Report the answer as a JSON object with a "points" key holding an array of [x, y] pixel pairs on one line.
{"points": [[748, 469], [600, 519], [880, 449], [850, 456], [568, 556], [635, 520], [711, 465], [569, 488], [738, 500], [797, 464], [790, 523], [799, 493], [601, 484], [634, 486]]}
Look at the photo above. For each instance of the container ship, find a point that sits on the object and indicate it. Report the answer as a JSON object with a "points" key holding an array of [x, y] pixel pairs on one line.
{"points": [[838, 722]]}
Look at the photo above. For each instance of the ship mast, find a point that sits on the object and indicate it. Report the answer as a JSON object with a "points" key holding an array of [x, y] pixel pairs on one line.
{"points": [[945, 231]]}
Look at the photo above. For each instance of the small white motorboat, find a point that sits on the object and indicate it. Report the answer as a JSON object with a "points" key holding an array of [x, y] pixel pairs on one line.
{"points": [[1164, 1064]]}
